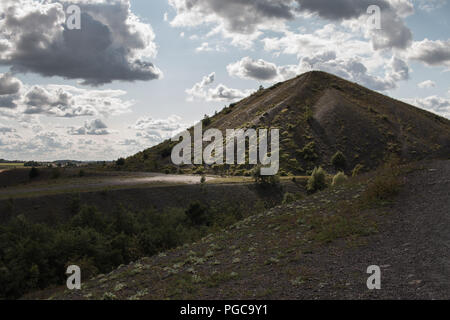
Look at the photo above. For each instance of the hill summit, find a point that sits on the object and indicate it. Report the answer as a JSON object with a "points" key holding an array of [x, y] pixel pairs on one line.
{"points": [[319, 114]]}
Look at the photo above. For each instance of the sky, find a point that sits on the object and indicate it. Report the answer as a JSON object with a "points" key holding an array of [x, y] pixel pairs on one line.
{"points": [[139, 71]]}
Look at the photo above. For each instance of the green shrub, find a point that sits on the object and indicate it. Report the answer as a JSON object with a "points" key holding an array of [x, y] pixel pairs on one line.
{"points": [[308, 114], [199, 170], [308, 152], [339, 179], [197, 213], [33, 255], [357, 170], [317, 180], [288, 198], [383, 187], [339, 161], [260, 179]]}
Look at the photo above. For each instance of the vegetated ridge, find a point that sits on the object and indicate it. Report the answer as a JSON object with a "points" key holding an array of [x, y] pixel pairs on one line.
{"points": [[319, 114]]}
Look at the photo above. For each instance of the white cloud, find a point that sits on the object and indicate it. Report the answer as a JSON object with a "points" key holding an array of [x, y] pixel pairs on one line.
{"points": [[431, 52], [66, 101], [171, 124], [153, 131], [427, 84], [5, 130], [352, 69], [94, 127], [219, 93], [431, 5], [247, 68], [434, 104], [245, 21]]}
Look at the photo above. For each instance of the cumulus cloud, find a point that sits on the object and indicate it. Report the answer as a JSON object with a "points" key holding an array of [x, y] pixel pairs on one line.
{"points": [[113, 44], [244, 21], [393, 33], [431, 5], [9, 90], [434, 104], [41, 144], [94, 127], [333, 49], [431, 52], [247, 68], [223, 93], [171, 124], [354, 69], [398, 70], [206, 47], [219, 93], [5, 130], [237, 16], [9, 84], [427, 84], [154, 131], [68, 102]]}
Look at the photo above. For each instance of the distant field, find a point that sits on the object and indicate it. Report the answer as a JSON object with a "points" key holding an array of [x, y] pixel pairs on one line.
{"points": [[11, 165]]}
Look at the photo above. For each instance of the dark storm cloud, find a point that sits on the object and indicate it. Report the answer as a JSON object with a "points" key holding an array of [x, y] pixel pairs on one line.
{"points": [[245, 17], [9, 91], [393, 32], [340, 9], [242, 15], [111, 45]]}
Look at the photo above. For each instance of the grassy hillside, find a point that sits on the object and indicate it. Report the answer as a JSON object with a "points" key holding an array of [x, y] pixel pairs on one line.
{"points": [[315, 248], [319, 114]]}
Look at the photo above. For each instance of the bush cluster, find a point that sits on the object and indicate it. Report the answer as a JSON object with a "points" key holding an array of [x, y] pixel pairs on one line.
{"points": [[317, 180], [35, 256]]}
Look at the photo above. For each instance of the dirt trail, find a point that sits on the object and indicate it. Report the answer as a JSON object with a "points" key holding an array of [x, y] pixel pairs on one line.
{"points": [[104, 182]]}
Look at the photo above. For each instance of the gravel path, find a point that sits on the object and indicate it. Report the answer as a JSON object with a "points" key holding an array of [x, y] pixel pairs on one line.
{"points": [[412, 247], [104, 182]]}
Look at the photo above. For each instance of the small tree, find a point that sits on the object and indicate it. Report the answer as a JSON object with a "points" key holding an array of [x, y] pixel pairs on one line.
{"points": [[272, 180], [120, 162], [339, 161], [206, 120], [317, 180], [339, 179]]}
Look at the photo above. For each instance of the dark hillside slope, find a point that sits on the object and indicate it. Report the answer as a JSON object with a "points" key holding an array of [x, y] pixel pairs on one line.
{"points": [[318, 114]]}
